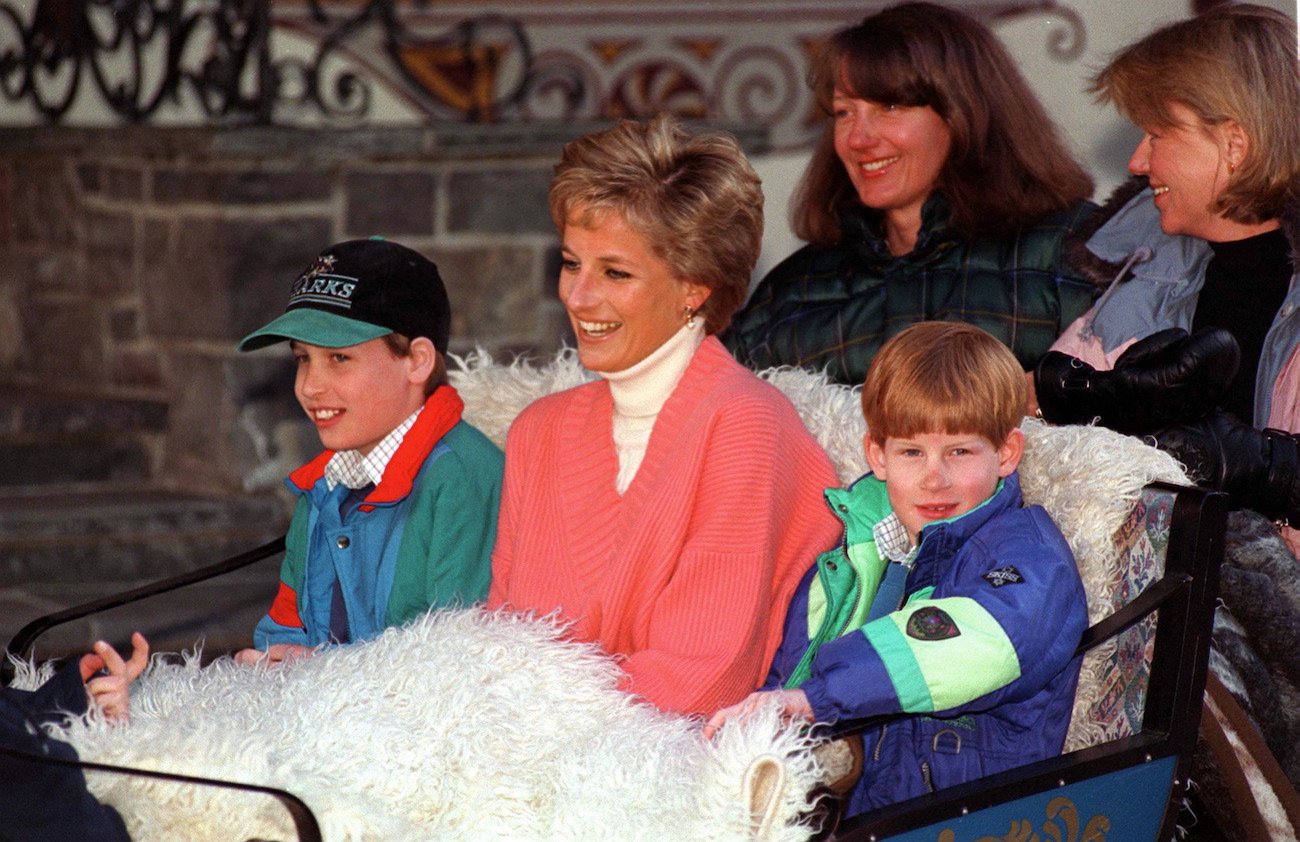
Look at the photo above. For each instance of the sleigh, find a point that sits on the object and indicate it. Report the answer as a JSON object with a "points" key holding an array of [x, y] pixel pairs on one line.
{"points": [[1151, 576]]}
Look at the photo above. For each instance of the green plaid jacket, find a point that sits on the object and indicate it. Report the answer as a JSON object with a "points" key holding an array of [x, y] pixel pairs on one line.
{"points": [[832, 308]]}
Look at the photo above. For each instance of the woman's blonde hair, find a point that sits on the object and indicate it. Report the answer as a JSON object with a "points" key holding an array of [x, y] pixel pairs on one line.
{"points": [[1007, 166], [944, 377], [1235, 62], [695, 198]]}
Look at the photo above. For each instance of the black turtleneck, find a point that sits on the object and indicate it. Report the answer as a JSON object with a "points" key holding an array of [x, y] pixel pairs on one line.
{"points": [[1245, 284]]}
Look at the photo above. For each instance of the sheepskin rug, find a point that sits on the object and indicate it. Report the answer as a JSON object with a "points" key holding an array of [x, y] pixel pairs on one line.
{"points": [[462, 725], [469, 725]]}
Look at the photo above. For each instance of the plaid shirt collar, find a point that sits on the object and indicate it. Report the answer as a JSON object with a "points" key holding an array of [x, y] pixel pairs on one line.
{"points": [[892, 541], [350, 468]]}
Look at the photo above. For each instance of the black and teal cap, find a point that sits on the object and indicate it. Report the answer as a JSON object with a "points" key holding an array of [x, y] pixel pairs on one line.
{"points": [[360, 290]]}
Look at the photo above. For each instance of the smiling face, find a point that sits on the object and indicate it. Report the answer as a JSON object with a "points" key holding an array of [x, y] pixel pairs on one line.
{"points": [[359, 394], [936, 476], [623, 300], [892, 153], [1187, 166]]}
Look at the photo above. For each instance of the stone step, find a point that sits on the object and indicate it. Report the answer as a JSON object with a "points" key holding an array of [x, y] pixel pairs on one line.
{"points": [[31, 411], [60, 550], [123, 535], [55, 439], [61, 460]]}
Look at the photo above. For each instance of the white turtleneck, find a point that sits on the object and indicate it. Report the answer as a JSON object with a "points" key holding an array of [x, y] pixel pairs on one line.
{"points": [[639, 392]]}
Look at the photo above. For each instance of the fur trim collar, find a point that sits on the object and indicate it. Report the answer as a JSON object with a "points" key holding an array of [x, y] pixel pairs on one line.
{"points": [[1101, 272], [1097, 271]]}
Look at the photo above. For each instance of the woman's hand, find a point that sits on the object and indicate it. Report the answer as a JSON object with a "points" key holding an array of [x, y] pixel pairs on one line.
{"points": [[793, 705], [111, 693], [275, 653]]}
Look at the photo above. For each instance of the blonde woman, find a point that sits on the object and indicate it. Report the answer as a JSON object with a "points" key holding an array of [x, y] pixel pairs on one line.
{"points": [[668, 509], [1205, 243]]}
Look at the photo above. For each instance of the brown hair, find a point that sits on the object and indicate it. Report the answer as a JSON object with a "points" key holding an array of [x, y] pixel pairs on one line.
{"points": [[944, 377], [695, 198], [1235, 62], [400, 345], [1007, 166]]}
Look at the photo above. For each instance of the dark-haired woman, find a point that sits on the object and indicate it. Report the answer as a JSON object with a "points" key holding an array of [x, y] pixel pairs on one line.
{"points": [[940, 190]]}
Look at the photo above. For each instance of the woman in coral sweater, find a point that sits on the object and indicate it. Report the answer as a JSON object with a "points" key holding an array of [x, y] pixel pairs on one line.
{"points": [[667, 509]]}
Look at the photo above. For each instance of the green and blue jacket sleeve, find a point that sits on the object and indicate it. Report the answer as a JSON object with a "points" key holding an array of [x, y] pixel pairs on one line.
{"points": [[1001, 619]]}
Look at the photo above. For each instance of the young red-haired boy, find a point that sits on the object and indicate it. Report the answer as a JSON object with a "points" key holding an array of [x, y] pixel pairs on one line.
{"points": [[949, 601]]}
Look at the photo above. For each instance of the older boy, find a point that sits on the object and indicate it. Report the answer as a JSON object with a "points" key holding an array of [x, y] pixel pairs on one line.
{"points": [[948, 599], [399, 513]]}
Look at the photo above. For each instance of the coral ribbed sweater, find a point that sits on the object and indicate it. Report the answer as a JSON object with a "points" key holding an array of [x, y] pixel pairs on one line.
{"points": [[689, 573]]}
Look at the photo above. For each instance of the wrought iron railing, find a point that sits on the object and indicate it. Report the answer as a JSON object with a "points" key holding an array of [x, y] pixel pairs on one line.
{"points": [[144, 55], [353, 62]]}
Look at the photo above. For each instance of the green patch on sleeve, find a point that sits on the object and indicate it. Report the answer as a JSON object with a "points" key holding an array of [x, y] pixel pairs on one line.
{"points": [[297, 544], [944, 652]]}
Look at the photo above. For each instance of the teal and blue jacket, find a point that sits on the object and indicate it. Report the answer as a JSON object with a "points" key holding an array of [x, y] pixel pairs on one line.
{"points": [[976, 664], [422, 538]]}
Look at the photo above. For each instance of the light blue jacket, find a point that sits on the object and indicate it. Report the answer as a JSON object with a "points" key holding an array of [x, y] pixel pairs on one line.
{"points": [[1163, 290]]}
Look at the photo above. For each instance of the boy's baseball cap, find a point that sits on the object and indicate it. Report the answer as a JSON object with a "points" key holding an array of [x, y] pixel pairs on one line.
{"points": [[360, 290]]}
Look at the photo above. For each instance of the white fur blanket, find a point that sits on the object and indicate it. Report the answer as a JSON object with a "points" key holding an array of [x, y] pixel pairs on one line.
{"points": [[466, 725], [462, 725]]}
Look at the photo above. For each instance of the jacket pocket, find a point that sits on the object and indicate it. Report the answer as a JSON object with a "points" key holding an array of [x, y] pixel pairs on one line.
{"points": [[948, 754]]}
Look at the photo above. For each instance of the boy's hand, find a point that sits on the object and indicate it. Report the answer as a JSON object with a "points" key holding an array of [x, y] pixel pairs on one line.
{"points": [[274, 654], [793, 705], [111, 693]]}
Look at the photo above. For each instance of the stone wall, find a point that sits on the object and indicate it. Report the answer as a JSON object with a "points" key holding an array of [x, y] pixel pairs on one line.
{"points": [[135, 443], [135, 258]]}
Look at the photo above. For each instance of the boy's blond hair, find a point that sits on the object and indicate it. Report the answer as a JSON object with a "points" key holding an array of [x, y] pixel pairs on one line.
{"points": [[944, 377]]}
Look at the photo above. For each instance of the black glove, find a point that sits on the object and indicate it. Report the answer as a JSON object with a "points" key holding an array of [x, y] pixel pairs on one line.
{"points": [[1258, 468], [1166, 378]]}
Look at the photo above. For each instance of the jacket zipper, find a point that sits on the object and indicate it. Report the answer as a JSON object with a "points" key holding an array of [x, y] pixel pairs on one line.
{"points": [[880, 742], [925, 776], [857, 603]]}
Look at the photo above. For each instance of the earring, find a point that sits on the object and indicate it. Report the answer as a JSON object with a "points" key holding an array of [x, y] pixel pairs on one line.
{"points": [[1232, 167], [690, 316]]}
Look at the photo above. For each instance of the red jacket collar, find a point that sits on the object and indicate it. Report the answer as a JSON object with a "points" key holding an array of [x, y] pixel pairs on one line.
{"points": [[442, 410]]}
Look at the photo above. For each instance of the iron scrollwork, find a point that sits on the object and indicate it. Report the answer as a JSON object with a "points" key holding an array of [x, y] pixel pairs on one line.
{"points": [[1068, 38], [116, 42], [361, 61], [144, 55]]}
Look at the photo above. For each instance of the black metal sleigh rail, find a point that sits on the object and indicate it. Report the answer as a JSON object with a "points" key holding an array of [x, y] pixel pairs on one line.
{"points": [[304, 821], [1124, 789], [21, 645]]}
